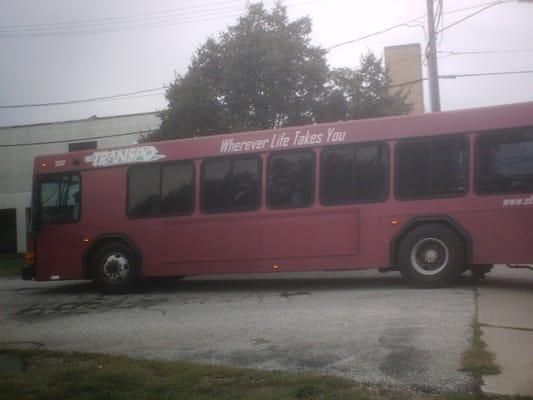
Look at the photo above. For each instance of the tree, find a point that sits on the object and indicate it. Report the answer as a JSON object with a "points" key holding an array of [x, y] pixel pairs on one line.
{"points": [[363, 93], [263, 73]]}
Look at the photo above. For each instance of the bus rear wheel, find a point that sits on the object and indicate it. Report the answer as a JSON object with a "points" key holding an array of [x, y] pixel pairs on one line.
{"points": [[114, 268], [431, 256]]}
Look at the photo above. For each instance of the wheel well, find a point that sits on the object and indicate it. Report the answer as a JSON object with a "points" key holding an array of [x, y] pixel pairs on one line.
{"points": [[419, 221], [102, 240]]}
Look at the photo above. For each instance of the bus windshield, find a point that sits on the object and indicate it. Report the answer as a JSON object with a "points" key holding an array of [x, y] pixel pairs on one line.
{"points": [[59, 199]]}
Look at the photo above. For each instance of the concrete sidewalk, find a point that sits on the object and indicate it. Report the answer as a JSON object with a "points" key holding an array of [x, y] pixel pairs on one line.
{"points": [[506, 316]]}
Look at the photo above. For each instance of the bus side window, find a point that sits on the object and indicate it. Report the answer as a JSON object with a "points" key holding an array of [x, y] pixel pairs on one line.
{"points": [[177, 189], [230, 184], [432, 167], [504, 161], [159, 190], [354, 174], [291, 179], [143, 191]]}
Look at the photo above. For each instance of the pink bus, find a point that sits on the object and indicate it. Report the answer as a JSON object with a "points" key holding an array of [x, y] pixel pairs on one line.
{"points": [[430, 195]]}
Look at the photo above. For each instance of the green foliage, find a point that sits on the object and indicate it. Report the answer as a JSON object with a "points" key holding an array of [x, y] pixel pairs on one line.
{"points": [[66, 375], [307, 391], [478, 360], [362, 93], [264, 73]]}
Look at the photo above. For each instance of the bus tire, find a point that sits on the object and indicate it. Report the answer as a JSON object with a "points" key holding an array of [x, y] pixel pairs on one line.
{"points": [[431, 255], [115, 269]]}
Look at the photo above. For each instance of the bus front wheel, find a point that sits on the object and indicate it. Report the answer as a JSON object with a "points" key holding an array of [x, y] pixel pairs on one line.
{"points": [[114, 268], [431, 256]]}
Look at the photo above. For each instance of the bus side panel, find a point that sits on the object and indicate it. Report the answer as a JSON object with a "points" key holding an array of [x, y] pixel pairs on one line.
{"points": [[324, 234], [211, 239], [271, 236], [506, 237]]}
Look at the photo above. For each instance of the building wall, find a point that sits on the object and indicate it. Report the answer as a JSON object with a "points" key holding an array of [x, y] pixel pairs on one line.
{"points": [[16, 163], [404, 64]]}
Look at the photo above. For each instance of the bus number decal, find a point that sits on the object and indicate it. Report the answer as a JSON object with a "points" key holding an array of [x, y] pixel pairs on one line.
{"points": [[124, 156]]}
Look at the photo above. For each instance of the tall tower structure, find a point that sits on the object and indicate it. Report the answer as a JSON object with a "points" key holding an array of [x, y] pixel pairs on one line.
{"points": [[404, 64]]}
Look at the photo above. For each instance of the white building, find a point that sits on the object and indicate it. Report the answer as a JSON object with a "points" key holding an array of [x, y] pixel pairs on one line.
{"points": [[20, 144]]}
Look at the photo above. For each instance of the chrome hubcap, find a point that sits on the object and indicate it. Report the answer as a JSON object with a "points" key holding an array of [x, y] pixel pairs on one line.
{"points": [[115, 267], [430, 256]]}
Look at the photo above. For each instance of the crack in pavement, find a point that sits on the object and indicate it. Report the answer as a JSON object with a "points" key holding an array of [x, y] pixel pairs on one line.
{"points": [[287, 295], [517, 328]]}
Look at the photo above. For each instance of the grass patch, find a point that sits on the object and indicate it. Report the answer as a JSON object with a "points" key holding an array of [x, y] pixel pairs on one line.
{"points": [[53, 375], [477, 360], [10, 264]]}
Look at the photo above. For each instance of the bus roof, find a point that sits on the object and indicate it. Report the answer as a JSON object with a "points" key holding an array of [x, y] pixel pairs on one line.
{"points": [[316, 135]]}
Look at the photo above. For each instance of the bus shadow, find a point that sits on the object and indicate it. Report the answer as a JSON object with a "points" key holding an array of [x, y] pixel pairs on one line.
{"points": [[286, 286], [507, 284]]}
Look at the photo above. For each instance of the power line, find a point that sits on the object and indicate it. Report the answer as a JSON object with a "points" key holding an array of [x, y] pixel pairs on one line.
{"points": [[390, 28], [408, 83], [125, 96], [188, 11], [459, 53], [154, 24], [56, 103], [454, 76], [76, 140], [117, 19], [409, 23], [496, 3], [130, 97], [458, 10], [211, 16], [144, 22], [485, 74]]}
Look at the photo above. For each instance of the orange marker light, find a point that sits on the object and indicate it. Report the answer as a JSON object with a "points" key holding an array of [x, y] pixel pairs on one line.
{"points": [[43, 165], [86, 240], [394, 222], [29, 257], [275, 266]]}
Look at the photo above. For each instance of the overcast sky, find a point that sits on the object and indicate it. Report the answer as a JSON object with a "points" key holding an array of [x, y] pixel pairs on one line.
{"points": [[37, 68]]}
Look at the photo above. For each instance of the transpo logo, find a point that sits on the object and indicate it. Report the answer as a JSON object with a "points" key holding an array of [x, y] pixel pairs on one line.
{"points": [[124, 156]]}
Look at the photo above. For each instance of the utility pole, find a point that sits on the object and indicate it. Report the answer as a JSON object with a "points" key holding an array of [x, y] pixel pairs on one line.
{"points": [[433, 71]]}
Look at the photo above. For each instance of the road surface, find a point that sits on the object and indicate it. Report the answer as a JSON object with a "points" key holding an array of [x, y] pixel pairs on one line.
{"points": [[360, 325]]}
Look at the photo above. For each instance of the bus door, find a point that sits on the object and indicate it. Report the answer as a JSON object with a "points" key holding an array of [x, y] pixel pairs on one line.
{"points": [[57, 237]]}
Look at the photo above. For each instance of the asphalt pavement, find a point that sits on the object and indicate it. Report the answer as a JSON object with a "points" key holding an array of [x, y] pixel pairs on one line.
{"points": [[361, 325]]}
